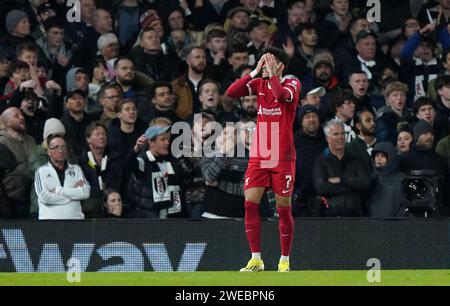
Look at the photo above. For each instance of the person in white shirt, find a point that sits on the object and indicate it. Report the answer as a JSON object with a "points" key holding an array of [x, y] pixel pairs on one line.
{"points": [[60, 186]]}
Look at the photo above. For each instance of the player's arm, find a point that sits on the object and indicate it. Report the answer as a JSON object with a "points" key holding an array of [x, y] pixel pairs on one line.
{"points": [[243, 86], [286, 93]]}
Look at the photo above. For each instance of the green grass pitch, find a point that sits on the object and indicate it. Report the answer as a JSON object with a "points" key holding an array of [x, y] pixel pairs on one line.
{"points": [[293, 278]]}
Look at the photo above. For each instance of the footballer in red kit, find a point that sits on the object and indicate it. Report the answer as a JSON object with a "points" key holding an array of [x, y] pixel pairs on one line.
{"points": [[272, 156]]}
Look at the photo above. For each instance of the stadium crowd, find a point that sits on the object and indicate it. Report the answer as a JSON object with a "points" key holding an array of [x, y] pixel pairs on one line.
{"points": [[88, 106]]}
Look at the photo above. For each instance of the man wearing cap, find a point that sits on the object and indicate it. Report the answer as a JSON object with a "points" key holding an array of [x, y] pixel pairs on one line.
{"points": [[239, 20], [314, 97], [156, 182], [322, 75], [309, 143], [260, 38], [75, 120]]}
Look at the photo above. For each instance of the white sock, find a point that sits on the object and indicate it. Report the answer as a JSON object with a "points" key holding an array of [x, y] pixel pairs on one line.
{"points": [[285, 258], [256, 256]]}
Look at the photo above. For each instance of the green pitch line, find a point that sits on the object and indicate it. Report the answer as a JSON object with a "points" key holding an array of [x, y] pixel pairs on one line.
{"points": [[293, 278]]}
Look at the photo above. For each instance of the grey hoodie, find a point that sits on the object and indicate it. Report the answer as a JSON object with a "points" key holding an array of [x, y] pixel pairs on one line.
{"points": [[70, 79], [385, 193]]}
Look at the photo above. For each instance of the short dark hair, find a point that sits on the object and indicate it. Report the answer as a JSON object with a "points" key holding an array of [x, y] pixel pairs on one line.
{"points": [[107, 86], [304, 27], [236, 49], [17, 64], [157, 85], [53, 22], [279, 54], [107, 193], [121, 58], [422, 101], [341, 97], [355, 71], [92, 126]]}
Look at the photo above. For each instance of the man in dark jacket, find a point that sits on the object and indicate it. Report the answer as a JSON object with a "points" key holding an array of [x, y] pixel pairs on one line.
{"points": [[101, 171], [339, 178], [422, 157], [309, 143]]}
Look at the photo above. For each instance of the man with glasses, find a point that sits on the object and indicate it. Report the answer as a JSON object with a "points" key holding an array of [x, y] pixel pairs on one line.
{"points": [[60, 186], [109, 97]]}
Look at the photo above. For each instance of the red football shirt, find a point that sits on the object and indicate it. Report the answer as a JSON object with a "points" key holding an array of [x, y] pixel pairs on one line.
{"points": [[277, 105]]}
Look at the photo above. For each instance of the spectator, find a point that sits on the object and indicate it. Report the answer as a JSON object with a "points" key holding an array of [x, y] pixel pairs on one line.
{"points": [[249, 107], [395, 111], [152, 61], [186, 86], [359, 84], [344, 109], [216, 44], [75, 120], [109, 97], [404, 140], [419, 65], [260, 38], [37, 110], [309, 143], [152, 169], [339, 178], [365, 141], [433, 86], [112, 203], [57, 53], [300, 63], [28, 53], [44, 11], [297, 14], [86, 50], [163, 103], [17, 183], [385, 192], [99, 76], [322, 75], [210, 100], [108, 46], [124, 131], [133, 87], [19, 72], [423, 157], [8, 163], [127, 21], [239, 20], [190, 162], [18, 27], [237, 57], [101, 171], [442, 86], [77, 29], [39, 157], [178, 42], [60, 186], [425, 110]]}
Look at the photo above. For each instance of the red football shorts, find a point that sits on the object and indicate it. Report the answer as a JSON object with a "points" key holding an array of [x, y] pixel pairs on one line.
{"points": [[280, 177]]}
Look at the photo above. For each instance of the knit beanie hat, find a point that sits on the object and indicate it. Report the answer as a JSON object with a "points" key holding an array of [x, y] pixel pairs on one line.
{"points": [[53, 126], [306, 109], [421, 127], [13, 18]]}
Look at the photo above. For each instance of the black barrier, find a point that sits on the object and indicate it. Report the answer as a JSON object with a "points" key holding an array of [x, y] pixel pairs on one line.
{"points": [[182, 245]]}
